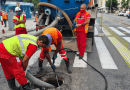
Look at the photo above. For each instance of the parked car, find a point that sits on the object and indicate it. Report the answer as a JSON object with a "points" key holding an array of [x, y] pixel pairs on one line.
{"points": [[126, 13], [121, 13]]}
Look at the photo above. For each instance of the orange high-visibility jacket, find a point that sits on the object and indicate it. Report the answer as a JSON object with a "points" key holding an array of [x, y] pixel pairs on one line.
{"points": [[53, 32], [36, 18], [4, 15], [86, 26]]}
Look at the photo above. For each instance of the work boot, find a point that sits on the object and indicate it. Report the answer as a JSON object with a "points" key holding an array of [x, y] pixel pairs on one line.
{"points": [[68, 66], [77, 54], [80, 57], [42, 69], [26, 87], [12, 84]]}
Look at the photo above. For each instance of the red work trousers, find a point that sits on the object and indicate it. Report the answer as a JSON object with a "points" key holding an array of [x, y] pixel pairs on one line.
{"points": [[20, 31], [62, 53], [12, 68], [81, 42]]}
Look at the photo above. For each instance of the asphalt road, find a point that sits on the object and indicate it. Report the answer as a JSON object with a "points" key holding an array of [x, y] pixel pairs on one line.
{"points": [[106, 56]]}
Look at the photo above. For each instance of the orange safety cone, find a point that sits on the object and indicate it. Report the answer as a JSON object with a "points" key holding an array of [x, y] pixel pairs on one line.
{"points": [[121, 19]]}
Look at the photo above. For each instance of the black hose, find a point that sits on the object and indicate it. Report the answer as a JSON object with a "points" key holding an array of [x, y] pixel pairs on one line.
{"points": [[106, 86]]}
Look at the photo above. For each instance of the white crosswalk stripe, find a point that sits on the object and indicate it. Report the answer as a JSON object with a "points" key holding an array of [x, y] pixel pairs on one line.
{"points": [[127, 39], [126, 30], [95, 31], [128, 27], [117, 31], [106, 60], [80, 63], [57, 61]]}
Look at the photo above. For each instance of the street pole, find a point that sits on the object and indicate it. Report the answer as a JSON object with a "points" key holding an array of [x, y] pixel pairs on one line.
{"points": [[0, 5], [111, 7], [128, 5]]}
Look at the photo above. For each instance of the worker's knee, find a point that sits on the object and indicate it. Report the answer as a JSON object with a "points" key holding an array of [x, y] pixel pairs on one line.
{"points": [[19, 75], [41, 58]]}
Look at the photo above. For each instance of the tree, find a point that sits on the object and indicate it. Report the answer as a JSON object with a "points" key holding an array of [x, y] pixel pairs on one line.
{"points": [[125, 3], [114, 4], [35, 2]]}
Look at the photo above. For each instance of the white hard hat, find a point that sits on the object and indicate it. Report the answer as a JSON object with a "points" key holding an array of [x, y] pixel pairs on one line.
{"points": [[17, 9], [36, 12]]}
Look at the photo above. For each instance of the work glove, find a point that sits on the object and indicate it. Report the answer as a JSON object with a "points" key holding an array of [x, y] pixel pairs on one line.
{"points": [[54, 58], [53, 67], [74, 25]]}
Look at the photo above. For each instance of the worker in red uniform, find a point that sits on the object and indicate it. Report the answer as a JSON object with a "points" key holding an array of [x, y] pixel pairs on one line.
{"points": [[53, 37], [19, 21], [11, 52], [4, 16], [82, 19]]}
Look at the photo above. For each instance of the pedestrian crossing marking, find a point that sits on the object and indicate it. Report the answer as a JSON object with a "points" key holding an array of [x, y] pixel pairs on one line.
{"points": [[106, 60], [126, 30], [57, 61], [125, 53], [128, 27], [117, 31], [95, 31], [80, 63], [127, 39]]}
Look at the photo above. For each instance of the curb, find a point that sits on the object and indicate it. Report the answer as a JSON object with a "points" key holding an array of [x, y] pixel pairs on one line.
{"points": [[13, 34]]}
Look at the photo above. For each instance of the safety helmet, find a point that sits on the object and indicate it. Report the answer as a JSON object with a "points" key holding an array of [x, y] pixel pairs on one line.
{"points": [[36, 12], [17, 9]]}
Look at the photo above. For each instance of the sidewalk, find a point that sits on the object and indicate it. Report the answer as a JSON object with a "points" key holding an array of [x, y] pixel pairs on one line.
{"points": [[30, 26]]}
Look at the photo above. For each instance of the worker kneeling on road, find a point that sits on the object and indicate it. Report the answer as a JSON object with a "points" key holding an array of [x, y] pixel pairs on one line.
{"points": [[19, 21], [81, 23], [11, 52], [53, 36]]}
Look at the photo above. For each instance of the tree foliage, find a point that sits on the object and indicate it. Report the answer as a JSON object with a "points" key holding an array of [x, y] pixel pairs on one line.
{"points": [[35, 2], [114, 4], [125, 3]]}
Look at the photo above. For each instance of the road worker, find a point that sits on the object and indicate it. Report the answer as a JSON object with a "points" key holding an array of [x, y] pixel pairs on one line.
{"points": [[82, 21], [19, 20], [4, 16], [12, 50], [53, 36], [36, 16]]}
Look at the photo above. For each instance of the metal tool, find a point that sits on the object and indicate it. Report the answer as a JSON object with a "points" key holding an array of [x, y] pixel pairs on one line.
{"points": [[56, 77]]}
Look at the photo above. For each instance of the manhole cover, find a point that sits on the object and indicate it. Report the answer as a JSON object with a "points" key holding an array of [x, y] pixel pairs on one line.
{"points": [[53, 81]]}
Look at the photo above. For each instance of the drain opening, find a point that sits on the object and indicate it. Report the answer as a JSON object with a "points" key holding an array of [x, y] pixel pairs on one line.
{"points": [[53, 81]]}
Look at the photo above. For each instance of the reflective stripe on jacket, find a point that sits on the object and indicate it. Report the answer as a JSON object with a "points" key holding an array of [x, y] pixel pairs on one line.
{"points": [[21, 24], [36, 18], [17, 45], [81, 20]]}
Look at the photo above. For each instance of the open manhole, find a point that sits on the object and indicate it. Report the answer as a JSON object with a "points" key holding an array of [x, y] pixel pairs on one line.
{"points": [[53, 81]]}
